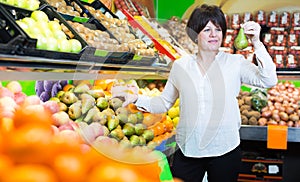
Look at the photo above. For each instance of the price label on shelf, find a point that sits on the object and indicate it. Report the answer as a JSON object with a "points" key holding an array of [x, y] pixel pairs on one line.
{"points": [[277, 137]]}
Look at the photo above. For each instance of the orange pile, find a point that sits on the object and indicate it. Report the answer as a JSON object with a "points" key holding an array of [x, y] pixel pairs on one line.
{"points": [[30, 151]]}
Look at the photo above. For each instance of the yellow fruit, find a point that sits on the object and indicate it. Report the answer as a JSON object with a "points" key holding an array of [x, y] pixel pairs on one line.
{"points": [[173, 112], [175, 121], [176, 103]]}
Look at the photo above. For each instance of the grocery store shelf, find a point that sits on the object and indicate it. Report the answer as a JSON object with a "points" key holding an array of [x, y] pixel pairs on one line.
{"points": [[259, 133], [15, 67]]}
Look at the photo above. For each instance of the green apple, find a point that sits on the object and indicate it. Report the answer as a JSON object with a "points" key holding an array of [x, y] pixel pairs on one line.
{"points": [[29, 21], [20, 3], [52, 44], [54, 25], [76, 45], [59, 34], [64, 45], [39, 15], [23, 25], [10, 2], [34, 32], [41, 43], [32, 4]]}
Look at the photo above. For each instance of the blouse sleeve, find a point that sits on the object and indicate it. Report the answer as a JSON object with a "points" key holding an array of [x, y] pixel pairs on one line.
{"points": [[264, 74], [163, 102]]}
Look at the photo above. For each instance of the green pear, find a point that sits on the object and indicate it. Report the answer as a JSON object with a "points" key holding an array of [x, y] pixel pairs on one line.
{"points": [[134, 140], [122, 110], [241, 41], [62, 106], [60, 94], [132, 118], [117, 134], [140, 116], [96, 93], [90, 114], [105, 130], [115, 103], [109, 112], [68, 98], [112, 122], [74, 110], [100, 117], [139, 128], [125, 143], [102, 103], [80, 119], [81, 88], [128, 129], [88, 102], [142, 140], [148, 135], [123, 118], [55, 99]]}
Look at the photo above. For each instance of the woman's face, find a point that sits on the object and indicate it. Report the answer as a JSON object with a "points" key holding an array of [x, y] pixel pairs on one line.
{"points": [[210, 38]]}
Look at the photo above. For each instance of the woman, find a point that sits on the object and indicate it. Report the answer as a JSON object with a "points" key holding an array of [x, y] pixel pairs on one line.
{"points": [[208, 85]]}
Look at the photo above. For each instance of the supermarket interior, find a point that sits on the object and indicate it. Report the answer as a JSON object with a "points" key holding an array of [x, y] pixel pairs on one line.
{"points": [[62, 60]]}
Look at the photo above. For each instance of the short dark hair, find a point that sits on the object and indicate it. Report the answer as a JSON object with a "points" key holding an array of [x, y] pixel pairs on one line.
{"points": [[201, 16]]}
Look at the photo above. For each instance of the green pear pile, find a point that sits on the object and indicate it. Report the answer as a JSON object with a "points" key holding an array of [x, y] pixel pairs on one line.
{"points": [[86, 105]]}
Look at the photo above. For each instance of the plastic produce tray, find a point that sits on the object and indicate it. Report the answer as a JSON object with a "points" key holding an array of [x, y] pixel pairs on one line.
{"points": [[111, 57], [12, 36], [29, 45], [99, 5]]}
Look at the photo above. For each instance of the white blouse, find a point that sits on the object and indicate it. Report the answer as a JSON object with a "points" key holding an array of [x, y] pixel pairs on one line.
{"points": [[209, 112]]}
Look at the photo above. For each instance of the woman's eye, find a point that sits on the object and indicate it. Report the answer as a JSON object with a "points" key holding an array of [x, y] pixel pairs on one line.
{"points": [[219, 29], [206, 30]]}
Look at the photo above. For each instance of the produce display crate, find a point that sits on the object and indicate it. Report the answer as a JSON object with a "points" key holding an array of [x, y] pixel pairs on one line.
{"points": [[111, 57], [12, 36], [91, 17], [28, 47], [99, 5], [152, 34]]}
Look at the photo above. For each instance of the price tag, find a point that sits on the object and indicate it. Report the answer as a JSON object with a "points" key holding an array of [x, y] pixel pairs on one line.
{"points": [[277, 137]]}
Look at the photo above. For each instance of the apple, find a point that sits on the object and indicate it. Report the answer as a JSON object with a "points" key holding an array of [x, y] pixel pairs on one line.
{"points": [[60, 118], [20, 3], [54, 25], [34, 32], [10, 2], [14, 86], [64, 45], [41, 43], [39, 15], [6, 92], [19, 97], [52, 44], [52, 106], [59, 34], [76, 45], [32, 4], [23, 25], [32, 100]]}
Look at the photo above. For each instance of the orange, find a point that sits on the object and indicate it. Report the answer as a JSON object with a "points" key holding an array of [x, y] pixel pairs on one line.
{"points": [[70, 167], [7, 124], [5, 165], [101, 83], [30, 172], [30, 115], [113, 171], [68, 87], [29, 143]]}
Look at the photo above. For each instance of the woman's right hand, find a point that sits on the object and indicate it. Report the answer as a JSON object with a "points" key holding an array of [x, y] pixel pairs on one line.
{"points": [[128, 92]]}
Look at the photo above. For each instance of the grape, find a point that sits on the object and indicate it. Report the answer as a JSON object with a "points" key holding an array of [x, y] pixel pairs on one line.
{"points": [[63, 83], [45, 96], [48, 85], [56, 87], [39, 87]]}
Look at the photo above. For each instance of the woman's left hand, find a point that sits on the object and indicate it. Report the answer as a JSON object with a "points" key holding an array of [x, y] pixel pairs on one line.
{"points": [[252, 30]]}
